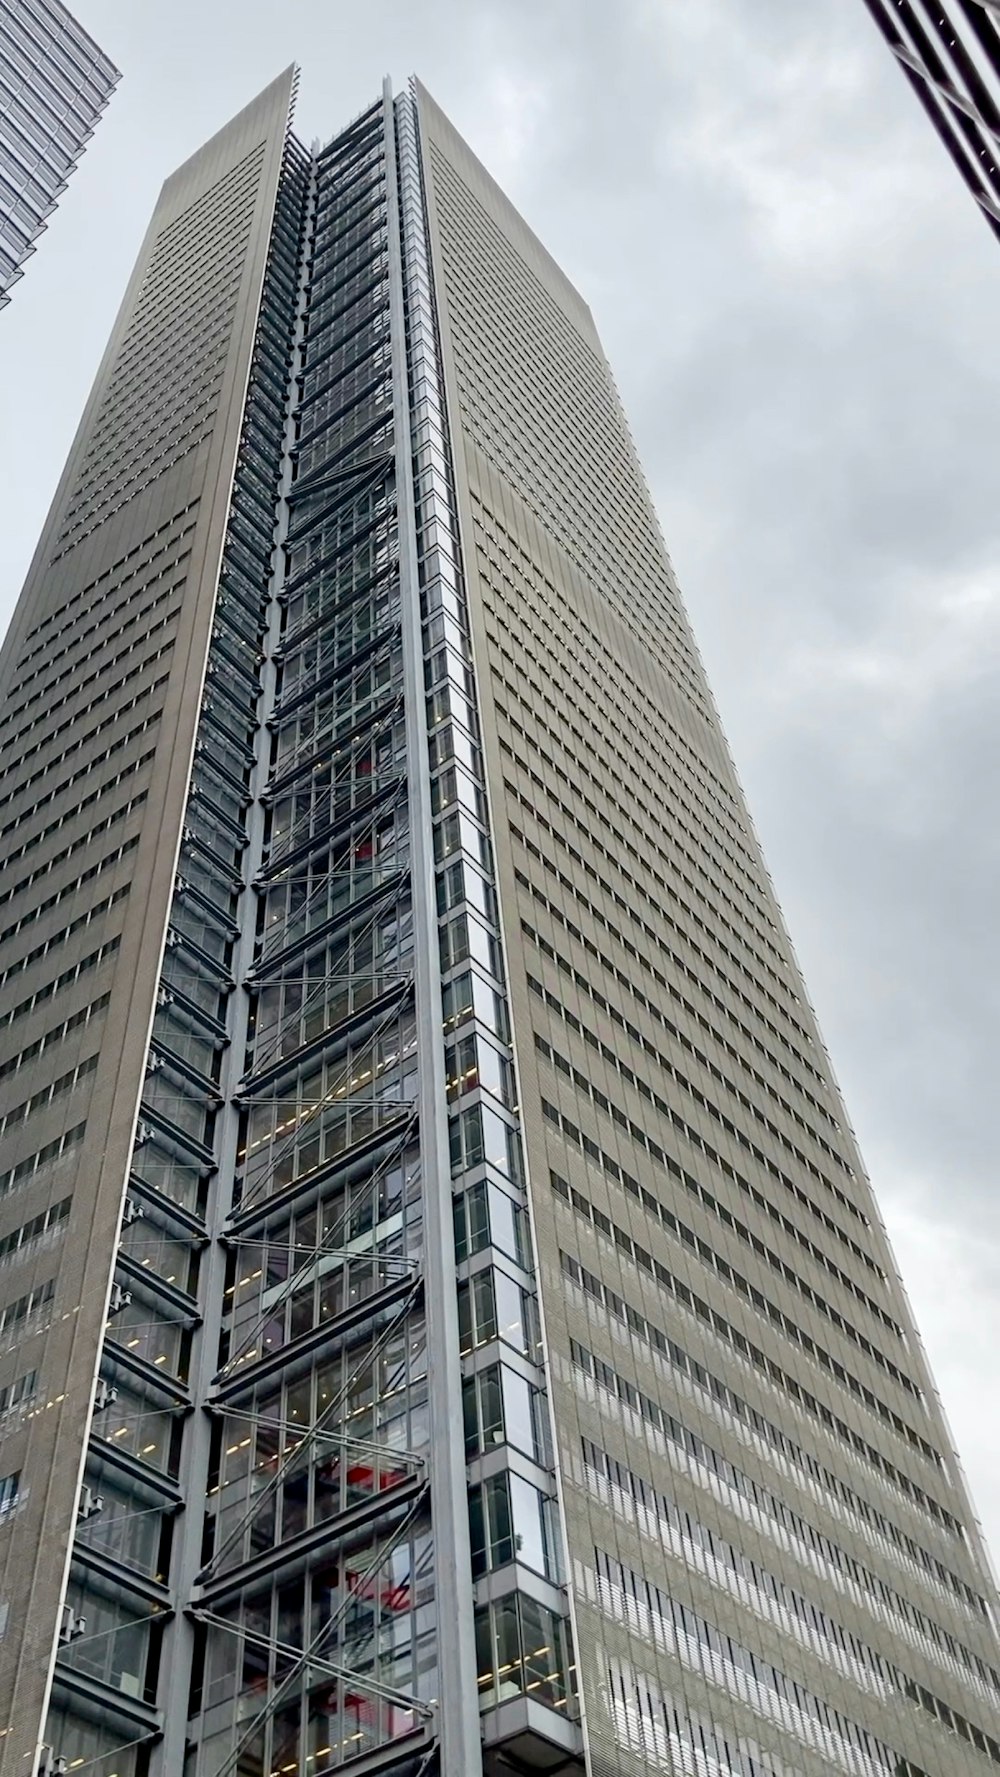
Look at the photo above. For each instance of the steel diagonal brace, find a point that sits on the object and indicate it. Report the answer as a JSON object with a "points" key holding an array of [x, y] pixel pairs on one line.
{"points": [[330, 1097], [325, 1668], [310, 1654], [316, 745], [316, 1429], [385, 893], [379, 1172], [355, 824], [143, 1740], [325, 748], [390, 1138], [362, 1446], [362, 930], [300, 1278], [393, 987], [258, 1197]]}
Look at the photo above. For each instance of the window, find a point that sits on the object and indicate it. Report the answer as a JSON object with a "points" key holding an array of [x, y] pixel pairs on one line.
{"points": [[466, 938], [523, 1648], [486, 1216], [492, 1306], [510, 1520], [472, 1062], [30, 1233], [16, 1392], [480, 1136], [469, 996]]}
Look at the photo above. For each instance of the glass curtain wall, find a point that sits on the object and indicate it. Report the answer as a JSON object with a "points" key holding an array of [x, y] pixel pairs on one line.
{"points": [[317, 1597]]}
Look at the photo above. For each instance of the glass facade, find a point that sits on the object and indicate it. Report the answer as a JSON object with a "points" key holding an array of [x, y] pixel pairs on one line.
{"points": [[54, 84], [445, 1326]]}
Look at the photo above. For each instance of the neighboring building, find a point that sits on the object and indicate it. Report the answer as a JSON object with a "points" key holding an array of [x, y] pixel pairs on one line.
{"points": [[54, 84], [445, 1321], [950, 52]]}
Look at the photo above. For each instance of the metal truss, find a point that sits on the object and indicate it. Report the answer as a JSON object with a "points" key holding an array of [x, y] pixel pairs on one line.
{"points": [[315, 1253], [310, 1435], [335, 784], [950, 53]]}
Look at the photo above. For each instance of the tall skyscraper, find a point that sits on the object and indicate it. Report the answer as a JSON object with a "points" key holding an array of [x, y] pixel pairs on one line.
{"points": [[54, 84], [446, 1325], [950, 53]]}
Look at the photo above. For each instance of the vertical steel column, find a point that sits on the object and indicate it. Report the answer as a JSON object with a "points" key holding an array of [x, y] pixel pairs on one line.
{"points": [[461, 1754]]}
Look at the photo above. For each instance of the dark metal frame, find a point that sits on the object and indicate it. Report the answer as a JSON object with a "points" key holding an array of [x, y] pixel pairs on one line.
{"points": [[949, 51]]}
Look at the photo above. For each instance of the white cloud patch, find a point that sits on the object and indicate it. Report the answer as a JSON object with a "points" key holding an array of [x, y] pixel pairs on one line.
{"points": [[935, 637], [513, 108]]}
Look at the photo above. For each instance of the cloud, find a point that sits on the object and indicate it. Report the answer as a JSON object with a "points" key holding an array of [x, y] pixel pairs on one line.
{"points": [[799, 300], [512, 113]]}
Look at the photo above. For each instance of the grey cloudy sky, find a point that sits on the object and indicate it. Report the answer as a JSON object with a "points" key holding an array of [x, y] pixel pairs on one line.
{"points": [[800, 303]]}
